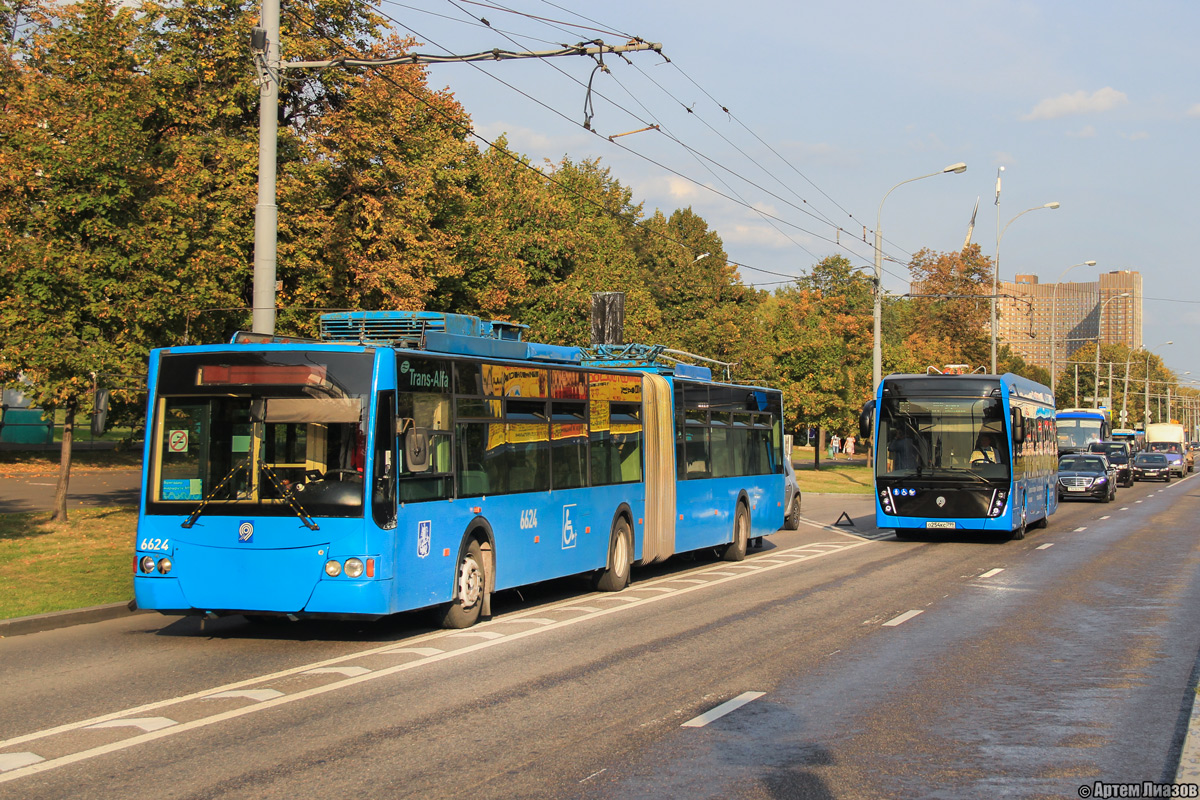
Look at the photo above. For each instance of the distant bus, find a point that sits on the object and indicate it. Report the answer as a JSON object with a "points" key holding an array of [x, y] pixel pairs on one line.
{"points": [[963, 453], [1079, 427], [411, 459]]}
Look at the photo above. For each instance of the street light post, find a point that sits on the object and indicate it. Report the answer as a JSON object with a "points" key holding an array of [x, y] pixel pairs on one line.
{"points": [[877, 345], [1146, 409], [996, 272], [1054, 325], [1099, 333]]}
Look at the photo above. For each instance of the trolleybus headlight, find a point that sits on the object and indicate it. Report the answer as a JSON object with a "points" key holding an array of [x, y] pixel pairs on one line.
{"points": [[147, 564], [164, 565], [354, 567], [333, 568]]}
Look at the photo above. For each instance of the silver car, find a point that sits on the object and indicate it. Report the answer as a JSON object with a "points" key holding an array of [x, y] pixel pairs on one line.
{"points": [[791, 497]]}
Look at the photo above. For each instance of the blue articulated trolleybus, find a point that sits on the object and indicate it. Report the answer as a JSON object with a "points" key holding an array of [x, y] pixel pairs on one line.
{"points": [[957, 452], [413, 459]]}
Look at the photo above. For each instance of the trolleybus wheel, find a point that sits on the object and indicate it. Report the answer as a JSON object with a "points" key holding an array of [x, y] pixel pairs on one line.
{"points": [[615, 576], [470, 582], [736, 550], [1019, 533]]}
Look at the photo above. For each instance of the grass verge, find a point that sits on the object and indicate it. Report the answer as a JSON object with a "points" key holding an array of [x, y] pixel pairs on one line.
{"points": [[83, 562], [836, 478], [46, 462]]}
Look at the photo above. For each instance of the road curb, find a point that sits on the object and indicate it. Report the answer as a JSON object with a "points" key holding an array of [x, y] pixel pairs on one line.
{"points": [[1189, 757], [52, 620]]}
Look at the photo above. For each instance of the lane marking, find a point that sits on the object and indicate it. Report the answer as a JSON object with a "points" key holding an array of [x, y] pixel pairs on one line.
{"points": [[534, 620], [349, 672], [1106, 516], [391, 648], [903, 618], [667, 589], [585, 609], [147, 724], [1080, 530], [992, 572], [1137, 501], [1124, 508], [423, 652], [723, 709], [11, 761], [479, 635], [258, 695], [1045, 546]]}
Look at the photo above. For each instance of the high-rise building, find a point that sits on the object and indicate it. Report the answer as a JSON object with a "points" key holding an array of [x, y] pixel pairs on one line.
{"points": [[1029, 310]]}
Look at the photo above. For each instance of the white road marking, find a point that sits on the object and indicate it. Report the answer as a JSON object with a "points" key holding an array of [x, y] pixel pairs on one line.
{"points": [[1106, 516], [594, 774], [903, 618], [479, 635], [147, 724], [122, 717], [1137, 501], [721, 710], [1124, 508], [666, 589], [1080, 530], [535, 620], [258, 695], [349, 672], [992, 572], [688, 580], [723, 574], [9, 761], [1045, 546], [424, 652], [586, 609]]}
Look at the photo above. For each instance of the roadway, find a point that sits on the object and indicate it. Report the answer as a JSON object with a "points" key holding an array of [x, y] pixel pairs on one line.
{"points": [[860, 667]]}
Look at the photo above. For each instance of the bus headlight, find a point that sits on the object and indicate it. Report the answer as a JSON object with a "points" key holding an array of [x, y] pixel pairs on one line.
{"points": [[354, 567], [147, 564], [164, 566], [333, 568]]}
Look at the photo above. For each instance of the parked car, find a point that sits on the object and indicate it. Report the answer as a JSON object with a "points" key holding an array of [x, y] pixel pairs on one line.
{"points": [[791, 497], [1118, 456], [1086, 475], [1174, 453], [1151, 467]]}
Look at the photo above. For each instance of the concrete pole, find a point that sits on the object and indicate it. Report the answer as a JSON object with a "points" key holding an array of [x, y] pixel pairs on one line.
{"points": [[266, 212]]}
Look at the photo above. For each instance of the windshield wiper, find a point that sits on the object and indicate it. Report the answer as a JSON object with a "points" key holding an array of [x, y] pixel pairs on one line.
{"points": [[962, 470], [290, 497], [191, 519]]}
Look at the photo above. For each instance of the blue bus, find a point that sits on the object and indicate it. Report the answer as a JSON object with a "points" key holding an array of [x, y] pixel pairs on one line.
{"points": [[963, 453], [1080, 427], [414, 459]]}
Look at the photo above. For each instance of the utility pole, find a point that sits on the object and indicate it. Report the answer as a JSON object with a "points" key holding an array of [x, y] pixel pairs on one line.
{"points": [[264, 44]]}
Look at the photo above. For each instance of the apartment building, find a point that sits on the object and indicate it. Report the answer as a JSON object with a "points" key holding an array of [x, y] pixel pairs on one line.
{"points": [[1032, 312]]}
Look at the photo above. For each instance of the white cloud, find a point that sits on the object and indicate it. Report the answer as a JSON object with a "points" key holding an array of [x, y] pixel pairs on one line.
{"points": [[1086, 132], [1079, 102], [1194, 111], [760, 236], [1136, 136]]}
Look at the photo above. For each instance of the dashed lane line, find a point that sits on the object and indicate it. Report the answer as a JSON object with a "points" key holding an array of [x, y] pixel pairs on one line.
{"points": [[723, 709], [992, 572], [903, 618]]}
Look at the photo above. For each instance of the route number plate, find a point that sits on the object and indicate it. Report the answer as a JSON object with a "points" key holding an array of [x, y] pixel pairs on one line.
{"points": [[939, 524]]}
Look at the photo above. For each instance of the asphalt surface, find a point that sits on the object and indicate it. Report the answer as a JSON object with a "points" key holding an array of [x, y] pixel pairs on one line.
{"points": [[87, 488], [858, 667]]}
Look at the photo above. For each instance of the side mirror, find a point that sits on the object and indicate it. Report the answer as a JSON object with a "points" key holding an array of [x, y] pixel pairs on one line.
{"points": [[1018, 426], [866, 420], [416, 450], [100, 412]]}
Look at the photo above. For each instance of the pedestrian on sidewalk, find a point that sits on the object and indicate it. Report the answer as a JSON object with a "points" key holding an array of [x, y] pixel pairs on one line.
{"points": [[835, 444]]}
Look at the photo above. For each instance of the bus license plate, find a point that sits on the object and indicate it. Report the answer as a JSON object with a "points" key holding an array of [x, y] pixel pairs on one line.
{"points": [[939, 524]]}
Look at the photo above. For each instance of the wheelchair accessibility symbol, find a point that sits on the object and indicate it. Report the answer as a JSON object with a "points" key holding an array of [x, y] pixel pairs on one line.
{"points": [[568, 528]]}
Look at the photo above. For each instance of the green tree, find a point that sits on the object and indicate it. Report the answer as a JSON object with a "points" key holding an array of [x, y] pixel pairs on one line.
{"points": [[76, 167]]}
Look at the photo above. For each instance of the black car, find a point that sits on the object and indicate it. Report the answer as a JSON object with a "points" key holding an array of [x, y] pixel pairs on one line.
{"points": [[1151, 467], [1086, 475], [1119, 456]]}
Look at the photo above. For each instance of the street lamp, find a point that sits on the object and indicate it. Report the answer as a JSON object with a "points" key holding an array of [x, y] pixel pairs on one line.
{"points": [[1146, 410], [1054, 325], [1099, 333], [996, 273], [877, 347]]}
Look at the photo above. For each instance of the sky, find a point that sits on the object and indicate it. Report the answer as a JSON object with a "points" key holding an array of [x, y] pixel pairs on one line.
{"points": [[1093, 105]]}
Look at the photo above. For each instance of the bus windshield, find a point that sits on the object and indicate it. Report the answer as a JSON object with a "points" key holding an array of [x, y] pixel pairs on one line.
{"points": [[1077, 434], [260, 432], [943, 437]]}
